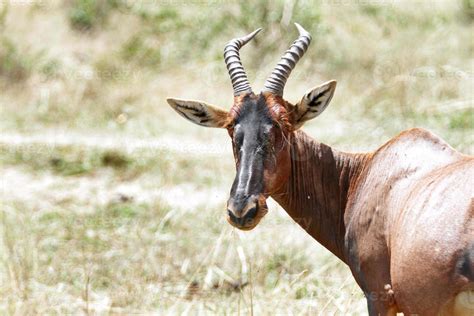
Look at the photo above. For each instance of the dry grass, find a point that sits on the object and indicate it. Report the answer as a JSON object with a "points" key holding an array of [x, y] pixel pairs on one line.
{"points": [[112, 204]]}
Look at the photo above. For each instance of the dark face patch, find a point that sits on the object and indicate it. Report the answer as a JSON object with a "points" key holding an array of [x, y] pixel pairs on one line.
{"points": [[252, 142], [260, 143]]}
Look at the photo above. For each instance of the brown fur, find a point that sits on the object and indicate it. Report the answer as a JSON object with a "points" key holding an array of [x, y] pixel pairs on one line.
{"points": [[280, 111], [400, 217]]}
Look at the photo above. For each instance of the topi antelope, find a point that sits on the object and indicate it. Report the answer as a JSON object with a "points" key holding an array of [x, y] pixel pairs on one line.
{"points": [[401, 217]]}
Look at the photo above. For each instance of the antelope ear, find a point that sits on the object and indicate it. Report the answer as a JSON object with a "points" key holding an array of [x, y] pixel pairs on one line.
{"points": [[313, 103], [200, 112]]}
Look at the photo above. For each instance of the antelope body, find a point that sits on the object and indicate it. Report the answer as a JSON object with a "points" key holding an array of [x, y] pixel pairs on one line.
{"points": [[401, 217]]}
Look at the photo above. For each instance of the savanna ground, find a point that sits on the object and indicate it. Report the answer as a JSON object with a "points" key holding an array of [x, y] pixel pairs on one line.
{"points": [[111, 203]]}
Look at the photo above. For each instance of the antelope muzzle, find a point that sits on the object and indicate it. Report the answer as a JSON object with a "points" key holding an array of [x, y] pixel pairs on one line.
{"points": [[245, 212]]}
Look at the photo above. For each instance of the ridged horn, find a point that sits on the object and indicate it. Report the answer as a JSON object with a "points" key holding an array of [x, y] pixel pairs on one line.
{"points": [[237, 74], [277, 80]]}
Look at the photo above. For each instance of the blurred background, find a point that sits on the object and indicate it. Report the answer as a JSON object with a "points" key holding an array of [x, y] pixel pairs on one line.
{"points": [[112, 203]]}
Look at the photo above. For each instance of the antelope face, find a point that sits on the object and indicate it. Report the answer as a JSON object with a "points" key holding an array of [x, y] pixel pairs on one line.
{"points": [[259, 134], [260, 127]]}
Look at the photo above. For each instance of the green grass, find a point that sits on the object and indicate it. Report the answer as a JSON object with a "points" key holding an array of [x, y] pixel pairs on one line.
{"points": [[85, 15], [131, 250], [69, 160], [111, 203], [13, 65]]}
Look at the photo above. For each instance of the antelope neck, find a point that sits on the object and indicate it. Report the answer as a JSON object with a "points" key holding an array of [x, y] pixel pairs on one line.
{"points": [[316, 192]]}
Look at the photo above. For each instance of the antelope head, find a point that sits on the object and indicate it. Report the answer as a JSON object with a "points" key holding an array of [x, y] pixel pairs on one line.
{"points": [[260, 126]]}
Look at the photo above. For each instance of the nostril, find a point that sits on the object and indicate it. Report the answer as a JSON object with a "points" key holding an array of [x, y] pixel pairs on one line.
{"points": [[251, 213], [242, 211], [232, 217]]}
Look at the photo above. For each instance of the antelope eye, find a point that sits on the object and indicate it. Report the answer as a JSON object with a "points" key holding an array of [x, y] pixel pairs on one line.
{"points": [[239, 138], [276, 125]]}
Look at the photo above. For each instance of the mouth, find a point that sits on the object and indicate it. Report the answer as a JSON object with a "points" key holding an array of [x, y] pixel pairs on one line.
{"points": [[251, 219]]}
